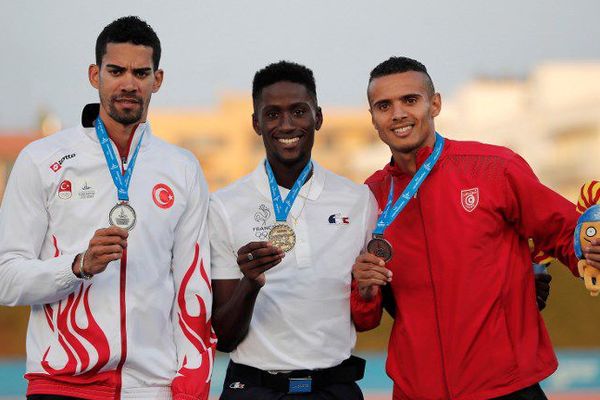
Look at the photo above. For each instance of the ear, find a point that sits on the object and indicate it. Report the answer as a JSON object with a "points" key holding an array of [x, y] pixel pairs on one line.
{"points": [[94, 75], [158, 79], [319, 119], [436, 105], [255, 124]]}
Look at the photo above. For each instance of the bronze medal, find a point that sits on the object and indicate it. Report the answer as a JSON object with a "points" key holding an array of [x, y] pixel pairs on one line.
{"points": [[282, 236], [380, 247]]}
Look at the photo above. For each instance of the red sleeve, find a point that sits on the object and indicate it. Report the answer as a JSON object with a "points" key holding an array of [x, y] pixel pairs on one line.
{"points": [[539, 213], [366, 314]]}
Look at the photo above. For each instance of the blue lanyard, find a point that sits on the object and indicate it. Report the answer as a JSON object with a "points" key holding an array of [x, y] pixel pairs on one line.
{"points": [[121, 181], [391, 212], [282, 208]]}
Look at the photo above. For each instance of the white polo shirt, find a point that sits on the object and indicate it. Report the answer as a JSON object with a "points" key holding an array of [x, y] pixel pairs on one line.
{"points": [[301, 318]]}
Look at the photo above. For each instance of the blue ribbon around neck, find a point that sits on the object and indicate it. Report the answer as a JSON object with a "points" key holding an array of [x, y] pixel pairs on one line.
{"points": [[391, 212], [121, 180], [282, 207]]}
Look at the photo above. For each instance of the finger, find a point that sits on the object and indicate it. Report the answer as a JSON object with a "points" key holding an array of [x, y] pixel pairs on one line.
{"points": [[372, 282], [593, 261], [265, 267], [107, 240], [250, 247], [101, 250], [370, 259], [112, 231], [259, 257], [257, 264], [365, 269]]}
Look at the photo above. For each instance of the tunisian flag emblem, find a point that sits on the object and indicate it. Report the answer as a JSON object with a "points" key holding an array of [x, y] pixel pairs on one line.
{"points": [[469, 199], [163, 196]]}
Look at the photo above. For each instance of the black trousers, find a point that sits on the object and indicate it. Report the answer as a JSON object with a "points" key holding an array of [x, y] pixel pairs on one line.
{"points": [[533, 392], [242, 386]]}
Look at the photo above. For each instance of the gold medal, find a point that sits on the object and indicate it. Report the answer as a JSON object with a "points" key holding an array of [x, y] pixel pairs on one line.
{"points": [[282, 236]]}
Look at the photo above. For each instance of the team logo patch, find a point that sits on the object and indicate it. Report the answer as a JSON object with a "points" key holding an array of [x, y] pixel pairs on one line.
{"points": [[261, 216], [163, 196], [64, 190], [469, 198], [338, 219], [55, 167], [86, 191]]}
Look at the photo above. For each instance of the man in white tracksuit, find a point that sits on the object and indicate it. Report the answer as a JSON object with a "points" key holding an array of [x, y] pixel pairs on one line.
{"points": [[103, 233]]}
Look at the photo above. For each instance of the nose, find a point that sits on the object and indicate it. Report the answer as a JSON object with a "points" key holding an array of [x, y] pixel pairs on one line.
{"points": [[285, 124], [398, 112], [128, 84]]}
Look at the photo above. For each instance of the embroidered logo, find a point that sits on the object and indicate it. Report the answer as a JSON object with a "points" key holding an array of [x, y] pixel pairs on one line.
{"points": [[163, 196], [58, 165], [469, 198], [86, 191], [237, 385], [64, 190], [338, 219], [261, 216]]}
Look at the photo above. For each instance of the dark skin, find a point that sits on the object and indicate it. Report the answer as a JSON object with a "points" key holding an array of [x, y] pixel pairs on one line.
{"points": [[286, 115]]}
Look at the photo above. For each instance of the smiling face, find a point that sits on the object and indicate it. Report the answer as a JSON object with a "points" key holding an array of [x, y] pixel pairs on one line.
{"points": [[125, 81], [589, 231], [402, 108], [286, 116]]}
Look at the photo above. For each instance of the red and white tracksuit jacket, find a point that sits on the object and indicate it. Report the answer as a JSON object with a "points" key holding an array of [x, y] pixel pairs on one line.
{"points": [[467, 325], [140, 329]]}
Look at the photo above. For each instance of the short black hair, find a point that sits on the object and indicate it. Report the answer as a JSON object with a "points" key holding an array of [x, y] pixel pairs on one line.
{"points": [[129, 29], [396, 65], [283, 71]]}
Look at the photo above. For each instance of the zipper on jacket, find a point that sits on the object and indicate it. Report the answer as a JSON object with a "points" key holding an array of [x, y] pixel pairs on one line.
{"points": [[437, 319], [123, 323]]}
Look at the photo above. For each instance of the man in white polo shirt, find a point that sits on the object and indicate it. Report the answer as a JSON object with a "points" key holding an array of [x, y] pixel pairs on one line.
{"points": [[283, 241]]}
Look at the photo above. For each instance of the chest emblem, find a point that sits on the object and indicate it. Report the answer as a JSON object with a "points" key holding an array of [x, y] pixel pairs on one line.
{"points": [[469, 199], [65, 190], [163, 196], [338, 219], [261, 216]]}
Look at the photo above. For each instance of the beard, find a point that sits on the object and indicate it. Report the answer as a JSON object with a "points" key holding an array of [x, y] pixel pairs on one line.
{"points": [[127, 116]]}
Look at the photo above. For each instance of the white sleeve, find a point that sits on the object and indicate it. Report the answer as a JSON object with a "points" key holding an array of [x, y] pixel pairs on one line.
{"points": [[24, 278], [194, 339], [222, 253], [371, 214]]}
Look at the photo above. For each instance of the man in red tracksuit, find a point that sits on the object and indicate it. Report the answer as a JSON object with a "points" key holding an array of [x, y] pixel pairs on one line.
{"points": [[466, 322]]}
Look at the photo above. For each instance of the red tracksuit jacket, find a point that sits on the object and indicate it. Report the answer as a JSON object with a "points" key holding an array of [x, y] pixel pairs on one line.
{"points": [[467, 325]]}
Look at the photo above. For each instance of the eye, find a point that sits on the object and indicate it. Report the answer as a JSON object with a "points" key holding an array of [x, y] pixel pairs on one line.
{"points": [[272, 114], [299, 112], [141, 74], [591, 231], [114, 72], [411, 100], [383, 106]]}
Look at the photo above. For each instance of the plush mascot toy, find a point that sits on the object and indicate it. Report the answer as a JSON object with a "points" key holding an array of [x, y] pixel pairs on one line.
{"points": [[588, 228]]}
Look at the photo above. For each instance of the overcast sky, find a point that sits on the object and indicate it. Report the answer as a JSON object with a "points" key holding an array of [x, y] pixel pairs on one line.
{"points": [[214, 46]]}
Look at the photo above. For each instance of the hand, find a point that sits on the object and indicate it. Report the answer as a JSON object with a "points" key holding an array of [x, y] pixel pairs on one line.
{"points": [[106, 245], [257, 257], [592, 254], [370, 273], [542, 289]]}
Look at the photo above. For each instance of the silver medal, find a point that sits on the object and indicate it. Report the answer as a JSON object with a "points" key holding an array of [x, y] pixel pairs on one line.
{"points": [[123, 216]]}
